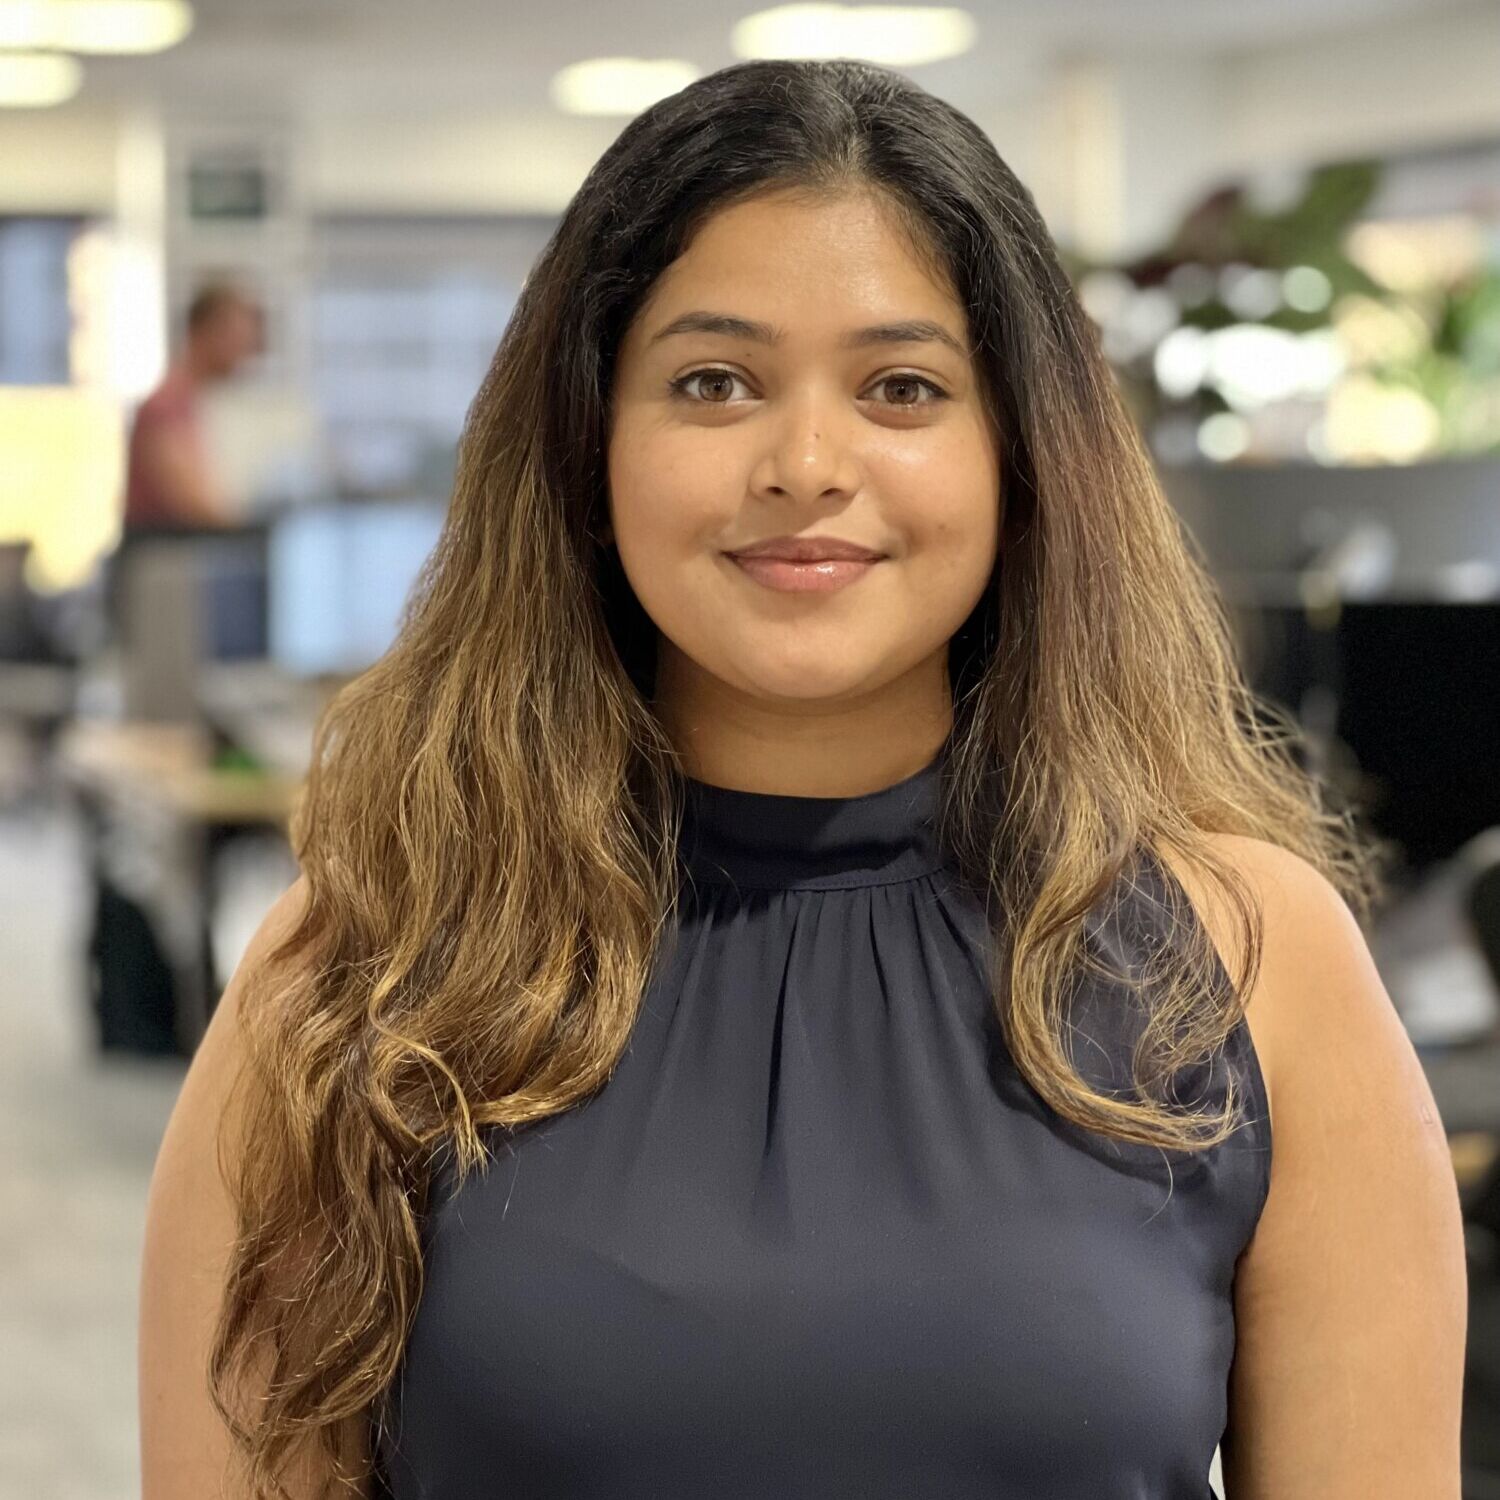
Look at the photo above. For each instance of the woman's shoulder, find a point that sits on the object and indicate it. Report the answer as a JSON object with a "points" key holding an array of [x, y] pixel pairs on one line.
{"points": [[1315, 973]]}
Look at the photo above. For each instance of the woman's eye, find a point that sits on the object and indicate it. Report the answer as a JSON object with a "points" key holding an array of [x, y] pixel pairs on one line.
{"points": [[938, 393], [684, 384]]}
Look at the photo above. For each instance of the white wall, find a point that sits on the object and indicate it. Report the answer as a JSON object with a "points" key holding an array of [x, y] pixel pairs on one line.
{"points": [[461, 163], [1114, 150], [57, 161], [1416, 82]]}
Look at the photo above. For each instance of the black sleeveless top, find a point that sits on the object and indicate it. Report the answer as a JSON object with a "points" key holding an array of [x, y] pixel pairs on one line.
{"points": [[816, 1236]]}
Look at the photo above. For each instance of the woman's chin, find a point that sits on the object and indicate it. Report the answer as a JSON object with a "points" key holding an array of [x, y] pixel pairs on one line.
{"points": [[801, 680]]}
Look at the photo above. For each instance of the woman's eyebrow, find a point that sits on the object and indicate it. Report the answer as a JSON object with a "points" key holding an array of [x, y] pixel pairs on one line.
{"points": [[907, 331]]}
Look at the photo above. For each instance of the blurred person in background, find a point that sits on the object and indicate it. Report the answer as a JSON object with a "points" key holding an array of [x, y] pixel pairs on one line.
{"points": [[151, 582], [168, 479]]}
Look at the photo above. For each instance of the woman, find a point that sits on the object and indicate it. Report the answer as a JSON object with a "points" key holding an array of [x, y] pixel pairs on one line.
{"points": [[750, 1026]]}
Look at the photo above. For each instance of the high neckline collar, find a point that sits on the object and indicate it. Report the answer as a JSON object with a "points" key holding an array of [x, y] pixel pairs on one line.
{"points": [[767, 840]]}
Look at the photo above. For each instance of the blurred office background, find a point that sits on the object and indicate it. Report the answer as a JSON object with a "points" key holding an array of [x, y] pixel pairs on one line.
{"points": [[1284, 216]]}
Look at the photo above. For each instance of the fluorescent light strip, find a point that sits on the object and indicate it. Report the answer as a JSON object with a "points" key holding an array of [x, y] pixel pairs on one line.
{"points": [[618, 85], [115, 26], [895, 35], [35, 80]]}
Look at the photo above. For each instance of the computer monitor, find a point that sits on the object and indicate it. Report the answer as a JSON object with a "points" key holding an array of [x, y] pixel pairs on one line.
{"points": [[338, 578]]}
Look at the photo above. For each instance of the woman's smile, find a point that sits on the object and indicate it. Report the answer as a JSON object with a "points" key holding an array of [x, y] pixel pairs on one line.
{"points": [[821, 577]]}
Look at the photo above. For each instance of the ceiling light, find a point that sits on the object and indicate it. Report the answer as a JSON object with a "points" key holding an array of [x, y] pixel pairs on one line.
{"points": [[896, 35], [618, 85], [32, 80], [95, 25]]}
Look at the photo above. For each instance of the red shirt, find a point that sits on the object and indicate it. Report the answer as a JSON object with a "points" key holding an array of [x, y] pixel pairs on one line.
{"points": [[172, 405]]}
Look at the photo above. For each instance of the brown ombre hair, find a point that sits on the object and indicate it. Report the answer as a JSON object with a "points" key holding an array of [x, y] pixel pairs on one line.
{"points": [[488, 832]]}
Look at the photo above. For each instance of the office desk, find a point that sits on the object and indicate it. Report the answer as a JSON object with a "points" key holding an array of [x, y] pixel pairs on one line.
{"points": [[156, 785], [170, 765]]}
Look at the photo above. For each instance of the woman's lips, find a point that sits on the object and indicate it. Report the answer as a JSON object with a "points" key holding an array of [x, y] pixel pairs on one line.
{"points": [[821, 577]]}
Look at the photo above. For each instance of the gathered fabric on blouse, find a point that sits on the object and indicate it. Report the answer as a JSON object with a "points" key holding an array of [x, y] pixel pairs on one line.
{"points": [[816, 1236]]}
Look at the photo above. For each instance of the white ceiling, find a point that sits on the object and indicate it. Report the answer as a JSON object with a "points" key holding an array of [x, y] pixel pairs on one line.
{"points": [[388, 55]]}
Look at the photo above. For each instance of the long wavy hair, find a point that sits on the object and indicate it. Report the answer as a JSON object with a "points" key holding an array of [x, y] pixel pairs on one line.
{"points": [[488, 832]]}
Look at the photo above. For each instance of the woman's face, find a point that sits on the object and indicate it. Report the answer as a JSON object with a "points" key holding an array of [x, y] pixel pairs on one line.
{"points": [[721, 438]]}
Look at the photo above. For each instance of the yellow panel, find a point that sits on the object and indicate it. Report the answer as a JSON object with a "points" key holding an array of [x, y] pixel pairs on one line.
{"points": [[62, 458]]}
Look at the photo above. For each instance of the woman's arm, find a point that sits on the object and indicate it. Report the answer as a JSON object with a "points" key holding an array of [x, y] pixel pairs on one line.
{"points": [[185, 1448], [1351, 1301]]}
